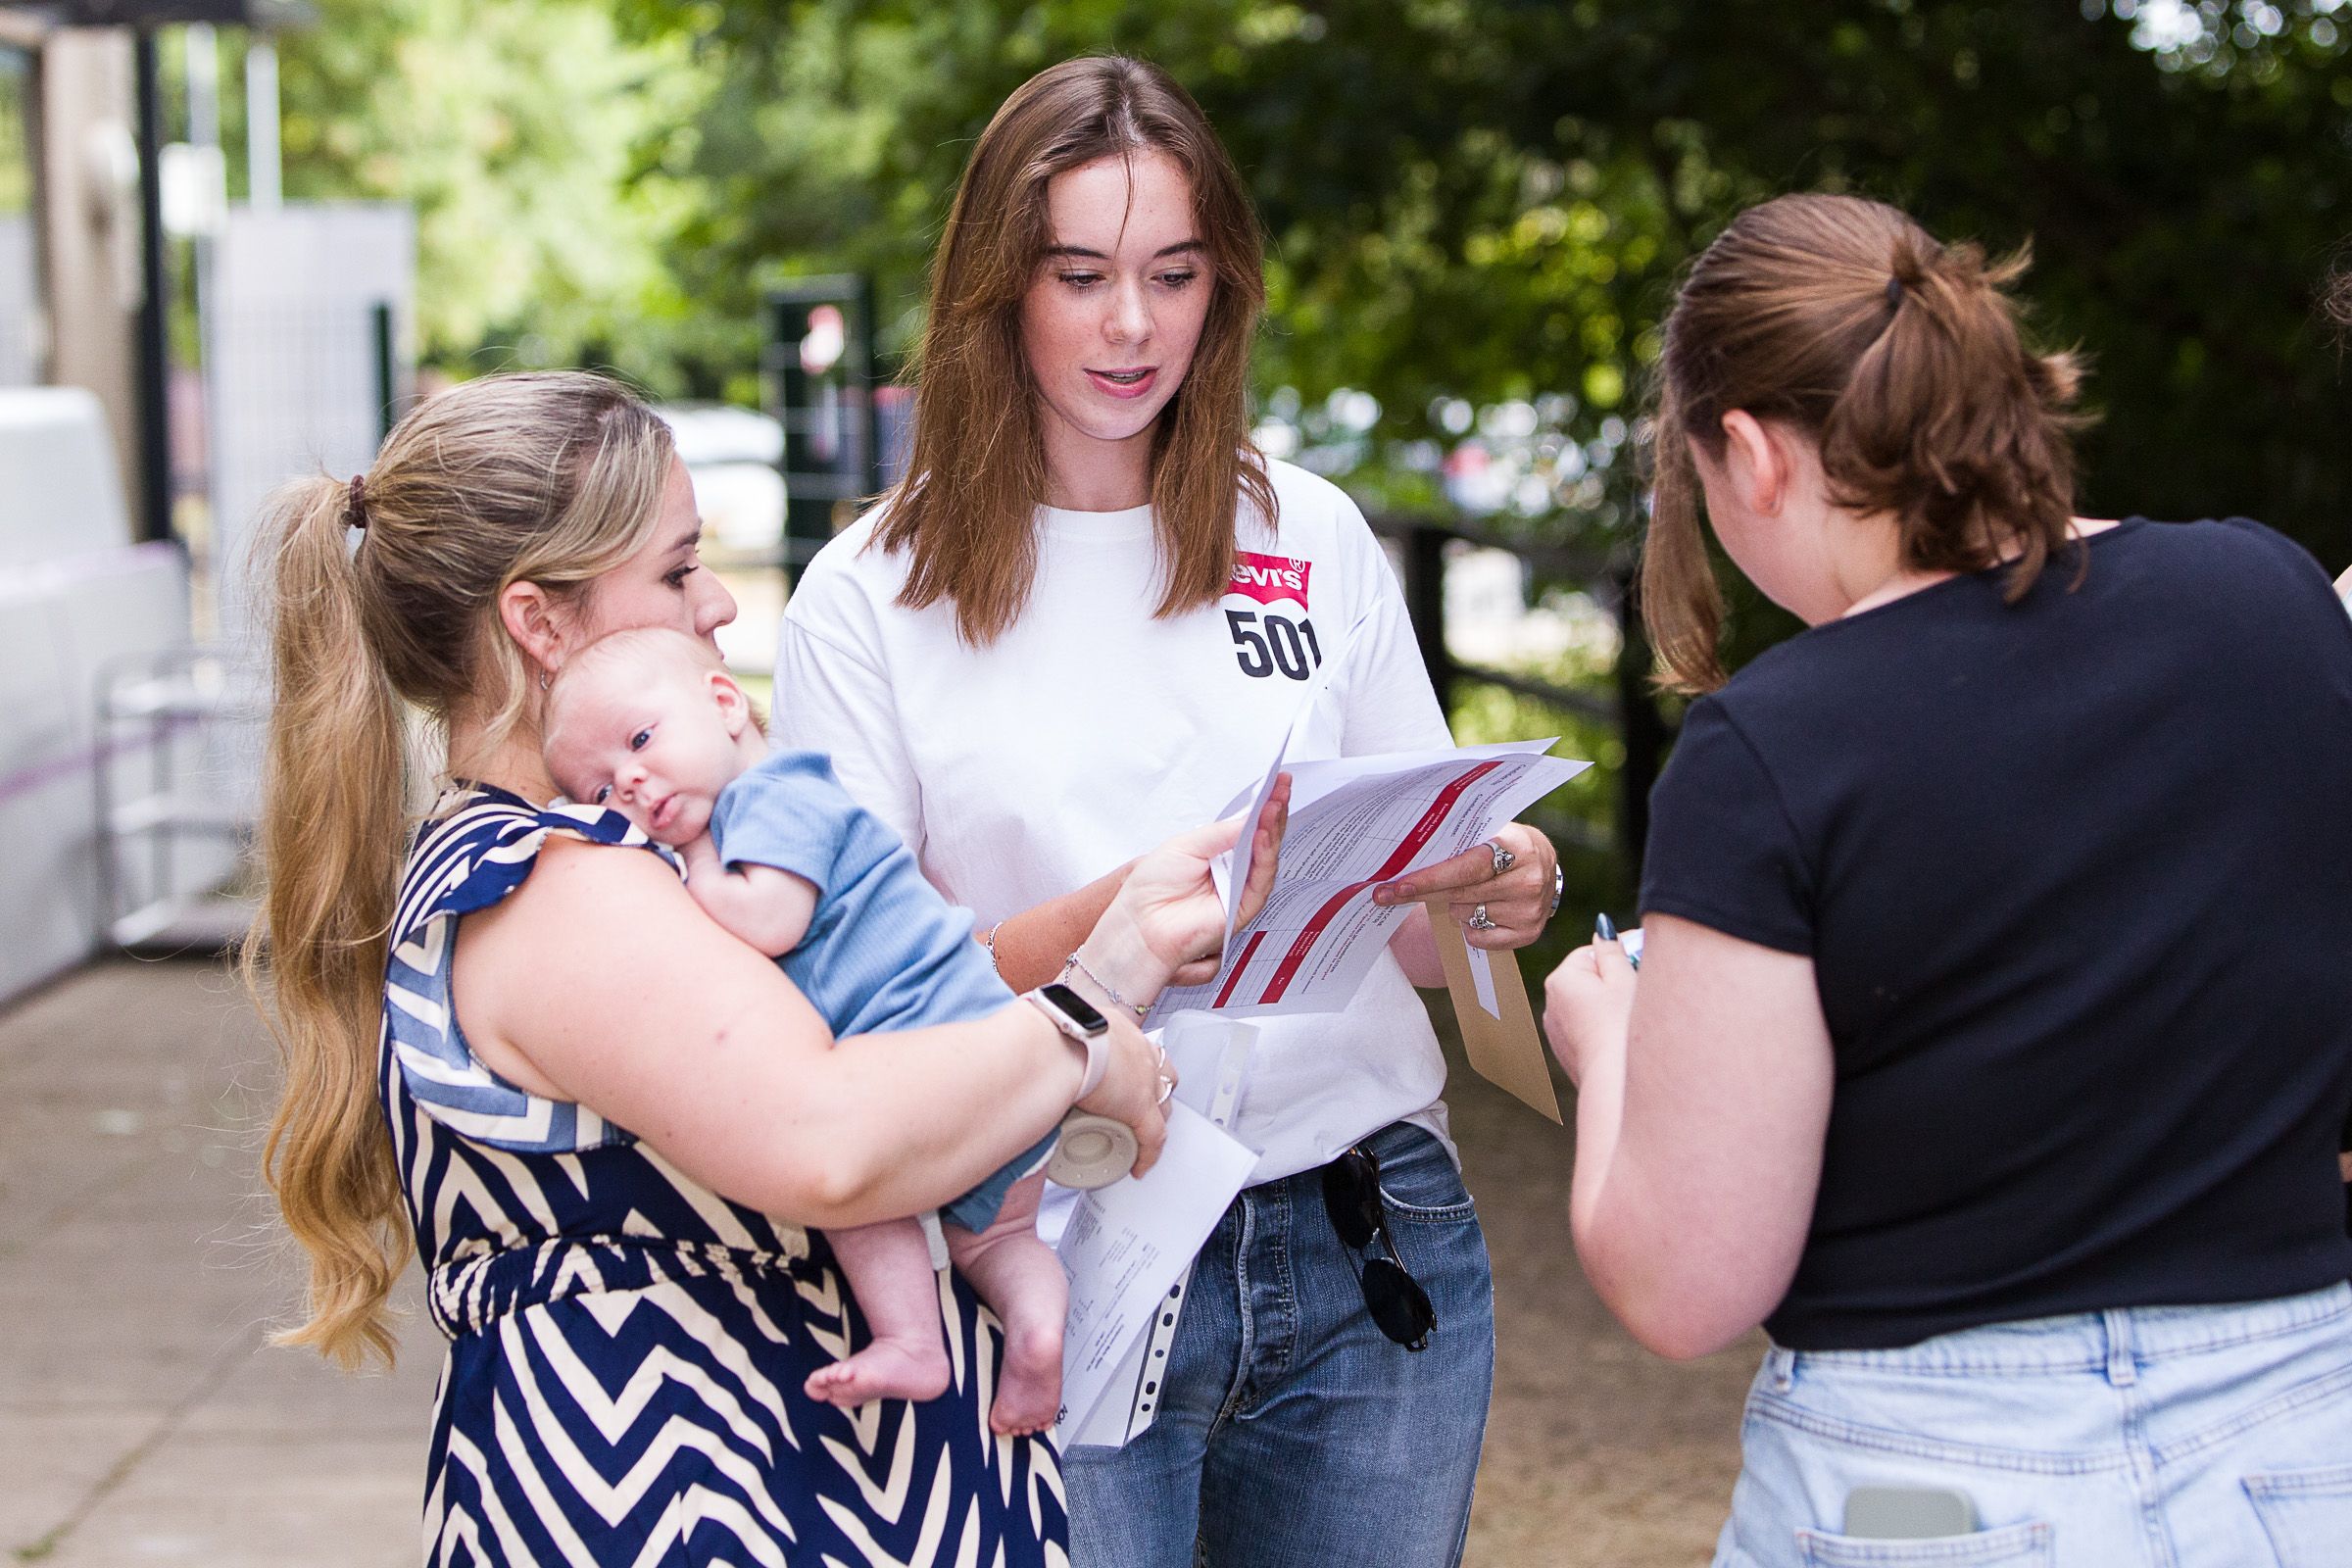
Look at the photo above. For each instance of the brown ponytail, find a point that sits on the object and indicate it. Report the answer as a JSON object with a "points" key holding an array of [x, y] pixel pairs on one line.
{"points": [[2337, 302], [551, 478], [1901, 356]]}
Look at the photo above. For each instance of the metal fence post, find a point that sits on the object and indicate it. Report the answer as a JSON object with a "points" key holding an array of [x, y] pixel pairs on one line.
{"points": [[155, 302], [1640, 724], [387, 394], [1425, 604]]}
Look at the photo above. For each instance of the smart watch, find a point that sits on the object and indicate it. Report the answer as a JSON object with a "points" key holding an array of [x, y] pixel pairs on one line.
{"points": [[1092, 1150], [1076, 1017]]}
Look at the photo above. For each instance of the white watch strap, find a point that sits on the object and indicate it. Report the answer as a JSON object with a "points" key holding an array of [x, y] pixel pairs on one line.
{"points": [[1098, 1058]]}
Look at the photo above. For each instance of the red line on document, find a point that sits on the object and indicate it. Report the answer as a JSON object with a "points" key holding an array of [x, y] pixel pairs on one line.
{"points": [[1248, 952], [1411, 845]]}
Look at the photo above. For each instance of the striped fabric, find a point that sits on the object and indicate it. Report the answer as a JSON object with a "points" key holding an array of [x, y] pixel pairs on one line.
{"points": [[627, 1348]]}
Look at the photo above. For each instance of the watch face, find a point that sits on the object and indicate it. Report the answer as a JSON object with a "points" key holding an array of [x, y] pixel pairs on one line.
{"points": [[1076, 1007]]}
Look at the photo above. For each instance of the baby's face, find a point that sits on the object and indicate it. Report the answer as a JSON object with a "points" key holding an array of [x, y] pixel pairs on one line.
{"points": [[652, 744]]}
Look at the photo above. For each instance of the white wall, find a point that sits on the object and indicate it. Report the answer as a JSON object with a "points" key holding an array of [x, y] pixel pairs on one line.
{"points": [[77, 599], [292, 362]]}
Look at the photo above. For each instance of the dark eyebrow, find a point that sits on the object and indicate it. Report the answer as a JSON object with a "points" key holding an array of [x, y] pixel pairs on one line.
{"points": [[1181, 247]]}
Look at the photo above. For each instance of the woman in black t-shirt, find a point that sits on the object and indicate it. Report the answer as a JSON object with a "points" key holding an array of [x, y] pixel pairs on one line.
{"points": [[2338, 304], [1994, 1028]]}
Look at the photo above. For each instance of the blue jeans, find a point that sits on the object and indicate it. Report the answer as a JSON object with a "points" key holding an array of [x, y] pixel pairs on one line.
{"points": [[1291, 1433], [2196, 1436]]}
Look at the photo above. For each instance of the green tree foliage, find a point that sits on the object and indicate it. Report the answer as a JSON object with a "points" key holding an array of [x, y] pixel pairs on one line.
{"points": [[1469, 201], [1489, 199], [535, 143]]}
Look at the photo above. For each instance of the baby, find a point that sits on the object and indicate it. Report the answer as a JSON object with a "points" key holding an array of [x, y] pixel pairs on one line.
{"points": [[648, 723]]}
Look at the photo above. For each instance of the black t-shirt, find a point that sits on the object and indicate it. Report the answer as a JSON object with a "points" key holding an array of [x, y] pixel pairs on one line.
{"points": [[2076, 877]]}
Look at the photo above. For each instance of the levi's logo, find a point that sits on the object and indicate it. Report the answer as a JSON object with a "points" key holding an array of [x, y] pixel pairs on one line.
{"points": [[1267, 578]]}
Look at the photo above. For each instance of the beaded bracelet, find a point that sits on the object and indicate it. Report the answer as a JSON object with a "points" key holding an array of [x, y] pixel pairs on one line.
{"points": [[1073, 961]]}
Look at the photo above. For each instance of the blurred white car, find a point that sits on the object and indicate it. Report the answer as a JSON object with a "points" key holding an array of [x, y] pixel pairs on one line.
{"points": [[732, 455]]}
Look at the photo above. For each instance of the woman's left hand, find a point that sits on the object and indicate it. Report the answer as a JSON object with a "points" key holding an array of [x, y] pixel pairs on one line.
{"points": [[1516, 901]]}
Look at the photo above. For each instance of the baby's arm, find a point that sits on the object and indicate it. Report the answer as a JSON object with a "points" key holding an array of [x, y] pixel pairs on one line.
{"points": [[768, 907]]}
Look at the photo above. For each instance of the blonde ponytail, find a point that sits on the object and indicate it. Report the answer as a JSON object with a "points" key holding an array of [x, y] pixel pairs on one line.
{"points": [[552, 478], [330, 845]]}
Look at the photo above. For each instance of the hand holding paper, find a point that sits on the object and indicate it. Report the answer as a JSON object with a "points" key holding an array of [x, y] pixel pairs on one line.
{"points": [[1588, 1001], [1258, 856], [1354, 823], [1500, 886]]}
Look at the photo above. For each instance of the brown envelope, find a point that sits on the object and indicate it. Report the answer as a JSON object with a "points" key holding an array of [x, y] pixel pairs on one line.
{"points": [[1506, 1051]]}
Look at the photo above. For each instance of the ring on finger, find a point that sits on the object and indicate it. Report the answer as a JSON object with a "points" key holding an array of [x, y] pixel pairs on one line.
{"points": [[1167, 1087], [1478, 920], [1505, 859]]}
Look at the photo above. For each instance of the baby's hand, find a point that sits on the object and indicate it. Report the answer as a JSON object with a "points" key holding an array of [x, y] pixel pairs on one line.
{"points": [[766, 907], [702, 870]]}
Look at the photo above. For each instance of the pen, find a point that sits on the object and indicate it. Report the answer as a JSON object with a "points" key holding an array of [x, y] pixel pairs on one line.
{"points": [[1604, 929]]}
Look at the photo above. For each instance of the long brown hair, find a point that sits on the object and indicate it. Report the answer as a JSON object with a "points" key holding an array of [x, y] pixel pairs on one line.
{"points": [[967, 509], [550, 479], [1901, 356]]}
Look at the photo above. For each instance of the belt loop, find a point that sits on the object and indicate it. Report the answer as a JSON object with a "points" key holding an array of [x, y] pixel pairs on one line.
{"points": [[2122, 1370], [1782, 1364]]}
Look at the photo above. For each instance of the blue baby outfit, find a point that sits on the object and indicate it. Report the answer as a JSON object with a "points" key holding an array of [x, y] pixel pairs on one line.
{"points": [[883, 950]]}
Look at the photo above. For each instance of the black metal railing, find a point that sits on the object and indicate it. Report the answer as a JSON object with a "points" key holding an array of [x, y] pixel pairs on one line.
{"points": [[1629, 707]]}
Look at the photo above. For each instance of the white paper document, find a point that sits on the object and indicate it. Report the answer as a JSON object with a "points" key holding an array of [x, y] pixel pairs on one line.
{"points": [[1126, 1248], [1482, 978], [1357, 822]]}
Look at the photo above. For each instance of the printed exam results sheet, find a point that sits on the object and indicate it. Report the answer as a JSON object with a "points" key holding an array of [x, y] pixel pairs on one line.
{"points": [[1357, 822]]}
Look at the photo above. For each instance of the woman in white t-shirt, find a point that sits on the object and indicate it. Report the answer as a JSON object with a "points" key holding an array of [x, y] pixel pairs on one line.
{"points": [[1088, 616]]}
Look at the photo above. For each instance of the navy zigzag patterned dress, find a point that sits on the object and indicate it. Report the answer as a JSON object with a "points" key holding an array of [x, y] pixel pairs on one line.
{"points": [[627, 1348]]}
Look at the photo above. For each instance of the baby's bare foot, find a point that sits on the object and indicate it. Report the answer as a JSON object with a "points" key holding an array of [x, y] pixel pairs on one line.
{"points": [[1029, 1386], [887, 1369]]}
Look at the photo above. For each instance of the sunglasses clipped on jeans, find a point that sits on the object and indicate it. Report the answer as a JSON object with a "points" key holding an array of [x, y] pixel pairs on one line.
{"points": [[1394, 1299]]}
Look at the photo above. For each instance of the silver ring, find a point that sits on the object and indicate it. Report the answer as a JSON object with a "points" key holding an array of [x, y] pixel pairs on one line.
{"points": [[1505, 859], [1477, 920], [1167, 1087], [1559, 885]]}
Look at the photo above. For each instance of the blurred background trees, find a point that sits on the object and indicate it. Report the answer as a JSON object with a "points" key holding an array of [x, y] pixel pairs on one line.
{"points": [[1476, 209], [1472, 204]]}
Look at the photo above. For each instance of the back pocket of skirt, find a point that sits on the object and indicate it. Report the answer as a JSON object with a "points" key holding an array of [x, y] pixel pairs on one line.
{"points": [[2306, 1513], [2024, 1546]]}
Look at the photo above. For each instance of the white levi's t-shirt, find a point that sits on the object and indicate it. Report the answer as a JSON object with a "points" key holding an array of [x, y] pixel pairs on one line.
{"points": [[1091, 731]]}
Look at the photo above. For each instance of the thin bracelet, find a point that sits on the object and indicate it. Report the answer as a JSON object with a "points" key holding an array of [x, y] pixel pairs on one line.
{"points": [[988, 940], [1073, 961]]}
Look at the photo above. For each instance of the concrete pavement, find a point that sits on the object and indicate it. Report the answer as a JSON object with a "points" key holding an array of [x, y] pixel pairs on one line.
{"points": [[144, 1420]]}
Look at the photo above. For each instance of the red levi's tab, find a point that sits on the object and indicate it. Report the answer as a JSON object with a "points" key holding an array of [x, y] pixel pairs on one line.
{"points": [[1270, 578]]}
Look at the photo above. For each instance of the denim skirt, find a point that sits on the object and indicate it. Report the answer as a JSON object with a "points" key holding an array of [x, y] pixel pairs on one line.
{"points": [[2199, 1437]]}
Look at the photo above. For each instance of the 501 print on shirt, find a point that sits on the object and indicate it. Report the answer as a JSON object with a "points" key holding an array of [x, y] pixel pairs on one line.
{"points": [[1271, 639]]}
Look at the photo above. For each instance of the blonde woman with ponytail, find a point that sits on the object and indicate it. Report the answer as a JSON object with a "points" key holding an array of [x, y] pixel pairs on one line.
{"points": [[1994, 1027], [515, 1046]]}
